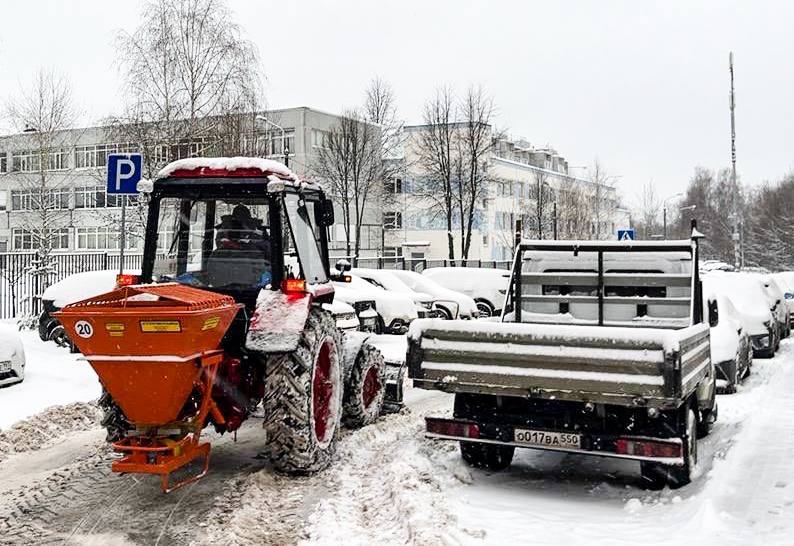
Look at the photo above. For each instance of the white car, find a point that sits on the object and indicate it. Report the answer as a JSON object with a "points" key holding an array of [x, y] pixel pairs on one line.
{"points": [[395, 311], [750, 299], [487, 287], [391, 283], [731, 348], [454, 304], [12, 356], [785, 283]]}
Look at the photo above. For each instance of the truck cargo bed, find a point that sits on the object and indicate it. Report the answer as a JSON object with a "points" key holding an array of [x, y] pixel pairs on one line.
{"points": [[608, 365]]}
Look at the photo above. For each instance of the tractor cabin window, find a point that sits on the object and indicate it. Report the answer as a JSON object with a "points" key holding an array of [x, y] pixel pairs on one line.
{"points": [[214, 243]]}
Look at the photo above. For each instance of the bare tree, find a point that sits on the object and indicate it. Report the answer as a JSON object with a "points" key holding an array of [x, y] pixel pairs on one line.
{"points": [[542, 200], [474, 143], [41, 173], [602, 193], [349, 161], [650, 207], [190, 81], [573, 209], [435, 152]]}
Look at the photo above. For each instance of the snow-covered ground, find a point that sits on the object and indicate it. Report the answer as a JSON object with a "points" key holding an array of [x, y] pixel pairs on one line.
{"points": [[53, 376], [390, 485]]}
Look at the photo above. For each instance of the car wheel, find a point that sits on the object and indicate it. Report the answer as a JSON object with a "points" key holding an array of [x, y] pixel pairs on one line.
{"points": [[446, 314], [484, 308]]}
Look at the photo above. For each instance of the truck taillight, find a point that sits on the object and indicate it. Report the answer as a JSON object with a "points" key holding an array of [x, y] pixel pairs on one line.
{"points": [[648, 448], [123, 279], [293, 286], [450, 427]]}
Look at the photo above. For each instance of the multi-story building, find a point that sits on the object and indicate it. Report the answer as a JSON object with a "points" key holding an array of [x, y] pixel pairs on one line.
{"points": [[415, 225], [81, 216]]}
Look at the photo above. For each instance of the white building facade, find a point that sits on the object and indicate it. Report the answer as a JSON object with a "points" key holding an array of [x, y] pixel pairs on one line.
{"points": [[416, 228]]}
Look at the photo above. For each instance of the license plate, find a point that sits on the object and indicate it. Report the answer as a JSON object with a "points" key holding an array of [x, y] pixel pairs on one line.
{"points": [[548, 439], [5, 366]]}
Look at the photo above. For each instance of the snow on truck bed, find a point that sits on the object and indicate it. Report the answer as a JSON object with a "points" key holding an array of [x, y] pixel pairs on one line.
{"points": [[669, 340]]}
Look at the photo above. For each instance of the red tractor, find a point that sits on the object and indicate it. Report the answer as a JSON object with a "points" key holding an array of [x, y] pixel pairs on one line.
{"points": [[227, 315]]}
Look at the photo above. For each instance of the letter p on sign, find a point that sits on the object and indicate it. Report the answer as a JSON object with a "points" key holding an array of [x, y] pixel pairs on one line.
{"points": [[124, 173]]}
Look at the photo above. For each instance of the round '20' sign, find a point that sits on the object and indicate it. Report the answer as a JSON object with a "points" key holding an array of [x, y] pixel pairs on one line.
{"points": [[84, 329]]}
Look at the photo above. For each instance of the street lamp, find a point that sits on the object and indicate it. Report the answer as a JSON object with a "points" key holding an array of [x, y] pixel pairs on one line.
{"points": [[664, 212], [284, 145]]}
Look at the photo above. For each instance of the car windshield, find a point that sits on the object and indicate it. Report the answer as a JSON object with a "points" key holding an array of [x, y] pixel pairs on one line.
{"points": [[214, 243]]}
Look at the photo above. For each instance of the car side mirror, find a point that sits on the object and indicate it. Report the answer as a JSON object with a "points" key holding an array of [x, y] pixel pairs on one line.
{"points": [[343, 266], [789, 295], [714, 317], [327, 212]]}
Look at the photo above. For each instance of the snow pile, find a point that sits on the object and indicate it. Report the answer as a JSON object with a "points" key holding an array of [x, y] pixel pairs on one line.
{"points": [[52, 376], [267, 166], [38, 431]]}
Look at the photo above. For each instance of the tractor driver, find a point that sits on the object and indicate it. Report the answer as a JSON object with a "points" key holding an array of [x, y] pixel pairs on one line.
{"points": [[242, 251]]}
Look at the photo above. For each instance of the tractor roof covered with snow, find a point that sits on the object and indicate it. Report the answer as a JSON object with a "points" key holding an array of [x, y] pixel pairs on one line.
{"points": [[236, 226]]}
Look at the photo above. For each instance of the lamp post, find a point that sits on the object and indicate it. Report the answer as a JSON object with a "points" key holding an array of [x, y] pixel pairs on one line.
{"points": [[664, 213], [284, 145]]}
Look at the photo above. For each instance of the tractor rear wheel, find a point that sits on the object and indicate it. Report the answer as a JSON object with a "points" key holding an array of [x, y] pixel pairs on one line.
{"points": [[365, 390], [303, 398], [113, 418]]}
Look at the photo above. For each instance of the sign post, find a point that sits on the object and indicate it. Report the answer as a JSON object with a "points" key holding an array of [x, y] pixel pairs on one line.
{"points": [[626, 234], [124, 173]]}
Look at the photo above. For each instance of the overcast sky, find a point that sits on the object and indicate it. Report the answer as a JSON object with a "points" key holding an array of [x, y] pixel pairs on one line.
{"points": [[642, 87]]}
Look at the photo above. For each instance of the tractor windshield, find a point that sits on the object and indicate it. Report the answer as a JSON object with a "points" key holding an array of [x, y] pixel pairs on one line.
{"points": [[214, 243]]}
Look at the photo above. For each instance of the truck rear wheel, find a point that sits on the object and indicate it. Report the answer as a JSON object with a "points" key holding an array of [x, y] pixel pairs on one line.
{"points": [[365, 390], [656, 475], [303, 398], [488, 456]]}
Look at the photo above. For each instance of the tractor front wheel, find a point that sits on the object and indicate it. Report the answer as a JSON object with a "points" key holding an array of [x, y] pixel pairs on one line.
{"points": [[303, 398], [365, 390]]}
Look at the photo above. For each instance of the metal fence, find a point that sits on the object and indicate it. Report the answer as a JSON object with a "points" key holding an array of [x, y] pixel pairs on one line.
{"points": [[24, 276]]}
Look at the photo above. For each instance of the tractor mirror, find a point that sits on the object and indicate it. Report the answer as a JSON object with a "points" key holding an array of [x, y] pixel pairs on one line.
{"points": [[327, 212]]}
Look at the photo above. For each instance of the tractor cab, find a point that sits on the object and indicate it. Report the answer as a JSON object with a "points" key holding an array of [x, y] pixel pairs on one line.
{"points": [[237, 230]]}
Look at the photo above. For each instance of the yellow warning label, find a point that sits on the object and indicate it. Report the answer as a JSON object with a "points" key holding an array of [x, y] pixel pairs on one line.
{"points": [[211, 323], [161, 326]]}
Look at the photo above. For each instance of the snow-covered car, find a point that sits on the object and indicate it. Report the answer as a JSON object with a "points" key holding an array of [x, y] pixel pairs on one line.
{"points": [[345, 315], [786, 281], [781, 289], [777, 303], [731, 349], [76, 287], [395, 311], [750, 300], [487, 287], [454, 304], [12, 356], [363, 306], [424, 302]]}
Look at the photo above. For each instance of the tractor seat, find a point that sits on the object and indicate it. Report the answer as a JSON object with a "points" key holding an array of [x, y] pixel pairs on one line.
{"points": [[227, 267]]}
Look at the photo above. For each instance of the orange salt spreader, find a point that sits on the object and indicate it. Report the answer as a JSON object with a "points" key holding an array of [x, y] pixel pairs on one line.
{"points": [[154, 347]]}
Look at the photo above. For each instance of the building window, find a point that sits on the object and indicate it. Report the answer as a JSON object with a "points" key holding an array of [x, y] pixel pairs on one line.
{"points": [[101, 238], [392, 251], [319, 139], [3, 162], [392, 220], [31, 200], [24, 239], [394, 185], [89, 197], [97, 155], [30, 161]]}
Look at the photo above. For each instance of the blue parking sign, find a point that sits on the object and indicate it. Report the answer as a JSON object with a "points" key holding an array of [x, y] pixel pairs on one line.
{"points": [[626, 234], [124, 173]]}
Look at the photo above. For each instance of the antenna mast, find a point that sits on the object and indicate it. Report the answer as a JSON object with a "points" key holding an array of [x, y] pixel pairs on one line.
{"points": [[735, 188]]}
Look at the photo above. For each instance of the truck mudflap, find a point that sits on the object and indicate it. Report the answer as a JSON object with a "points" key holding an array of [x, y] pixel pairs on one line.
{"points": [[667, 451], [607, 365]]}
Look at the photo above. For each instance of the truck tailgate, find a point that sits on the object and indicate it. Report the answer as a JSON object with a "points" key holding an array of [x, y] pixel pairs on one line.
{"points": [[611, 365]]}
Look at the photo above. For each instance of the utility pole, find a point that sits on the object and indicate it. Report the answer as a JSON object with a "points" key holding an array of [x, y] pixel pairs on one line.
{"points": [[735, 204]]}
